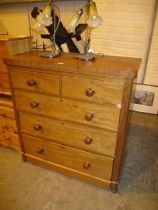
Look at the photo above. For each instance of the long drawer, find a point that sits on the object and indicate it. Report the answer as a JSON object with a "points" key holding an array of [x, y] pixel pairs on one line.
{"points": [[75, 159], [85, 113], [98, 91], [77, 136], [6, 112], [39, 82], [4, 82]]}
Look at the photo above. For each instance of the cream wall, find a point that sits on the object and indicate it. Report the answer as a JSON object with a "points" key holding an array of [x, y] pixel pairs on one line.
{"points": [[151, 76], [15, 18], [126, 29]]}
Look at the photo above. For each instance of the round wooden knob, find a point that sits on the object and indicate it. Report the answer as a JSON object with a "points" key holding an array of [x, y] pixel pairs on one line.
{"points": [[86, 165], [31, 82], [40, 150], [37, 127], [90, 92], [89, 116], [34, 104], [88, 140]]}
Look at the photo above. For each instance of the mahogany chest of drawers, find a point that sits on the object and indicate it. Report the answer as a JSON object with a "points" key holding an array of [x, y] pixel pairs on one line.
{"points": [[72, 115]]}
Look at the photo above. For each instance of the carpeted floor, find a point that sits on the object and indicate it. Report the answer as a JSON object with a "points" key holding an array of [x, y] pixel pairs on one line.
{"points": [[24, 186]]}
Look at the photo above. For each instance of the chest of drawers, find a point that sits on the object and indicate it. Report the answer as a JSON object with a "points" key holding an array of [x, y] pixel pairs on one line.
{"points": [[8, 131], [72, 115]]}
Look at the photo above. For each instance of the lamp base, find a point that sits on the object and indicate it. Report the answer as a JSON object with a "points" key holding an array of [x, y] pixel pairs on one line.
{"points": [[86, 57], [50, 54]]}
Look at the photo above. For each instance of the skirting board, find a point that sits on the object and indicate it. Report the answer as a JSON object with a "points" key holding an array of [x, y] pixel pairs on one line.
{"points": [[145, 99]]}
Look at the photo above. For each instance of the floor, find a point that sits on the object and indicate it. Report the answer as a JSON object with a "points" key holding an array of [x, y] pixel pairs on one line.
{"points": [[24, 186]]}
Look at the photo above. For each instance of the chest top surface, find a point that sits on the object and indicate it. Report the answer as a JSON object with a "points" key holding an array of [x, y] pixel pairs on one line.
{"points": [[114, 66]]}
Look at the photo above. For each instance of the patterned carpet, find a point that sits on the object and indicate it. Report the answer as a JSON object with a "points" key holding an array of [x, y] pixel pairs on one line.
{"points": [[24, 186]]}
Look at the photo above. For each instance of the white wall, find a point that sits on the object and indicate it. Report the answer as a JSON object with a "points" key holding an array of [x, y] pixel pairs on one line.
{"points": [[125, 30]]}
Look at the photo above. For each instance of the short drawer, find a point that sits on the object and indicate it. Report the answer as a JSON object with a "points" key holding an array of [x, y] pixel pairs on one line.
{"points": [[8, 125], [75, 159], [39, 82], [65, 109], [90, 139], [6, 112], [4, 82], [98, 91]]}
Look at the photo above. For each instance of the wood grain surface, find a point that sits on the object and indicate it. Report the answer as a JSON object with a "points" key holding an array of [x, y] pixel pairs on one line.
{"points": [[104, 91], [6, 112], [102, 65], [73, 135], [69, 157], [4, 83], [43, 82], [75, 111]]}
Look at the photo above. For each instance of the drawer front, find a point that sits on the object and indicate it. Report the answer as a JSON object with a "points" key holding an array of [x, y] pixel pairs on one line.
{"points": [[86, 138], [6, 112], [93, 90], [4, 82], [10, 140], [85, 113], [75, 159], [39, 82], [8, 125]]}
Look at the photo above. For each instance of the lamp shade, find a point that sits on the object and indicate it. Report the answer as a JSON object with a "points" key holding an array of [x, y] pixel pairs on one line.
{"points": [[43, 19], [93, 19], [45, 15], [37, 27], [74, 20], [47, 10]]}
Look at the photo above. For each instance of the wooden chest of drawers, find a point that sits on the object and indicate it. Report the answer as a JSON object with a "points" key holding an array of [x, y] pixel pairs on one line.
{"points": [[8, 128], [72, 115], [8, 131]]}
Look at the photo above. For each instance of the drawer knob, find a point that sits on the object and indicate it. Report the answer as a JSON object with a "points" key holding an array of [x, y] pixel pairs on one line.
{"points": [[31, 82], [89, 116], [34, 104], [88, 140], [90, 92], [37, 127], [86, 165], [40, 150]]}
